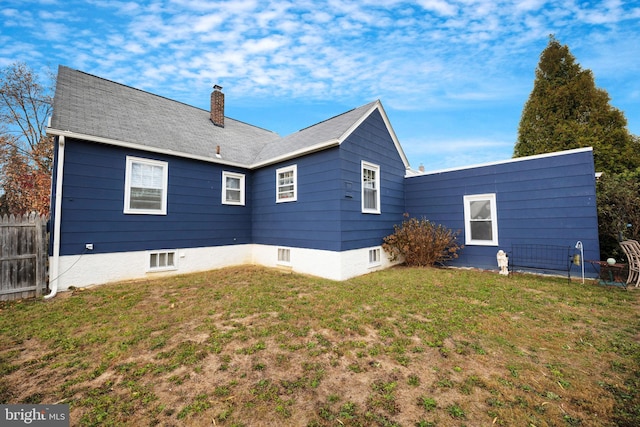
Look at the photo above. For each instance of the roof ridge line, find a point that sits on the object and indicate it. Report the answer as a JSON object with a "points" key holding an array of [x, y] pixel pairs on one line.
{"points": [[131, 87], [162, 97]]}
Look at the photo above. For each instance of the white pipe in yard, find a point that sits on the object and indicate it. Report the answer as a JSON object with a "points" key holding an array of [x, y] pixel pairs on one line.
{"points": [[579, 246], [55, 258]]}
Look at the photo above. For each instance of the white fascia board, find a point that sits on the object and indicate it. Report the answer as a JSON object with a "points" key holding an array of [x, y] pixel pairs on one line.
{"points": [[396, 142], [378, 106], [134, 146], [298, 153], [502, 162], [288, 156], [294, 154], [323, 145], [358, 122]]}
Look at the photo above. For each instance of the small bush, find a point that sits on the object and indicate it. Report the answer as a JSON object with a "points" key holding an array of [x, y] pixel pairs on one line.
{"points": [[421, 243]]}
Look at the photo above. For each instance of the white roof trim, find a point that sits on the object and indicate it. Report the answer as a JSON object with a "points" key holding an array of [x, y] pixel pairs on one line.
{"points": [[297, 153], [307, 150], [501, 162], [288, 156], [358, 122], [378, 106], [134, 146], [396, 142]]}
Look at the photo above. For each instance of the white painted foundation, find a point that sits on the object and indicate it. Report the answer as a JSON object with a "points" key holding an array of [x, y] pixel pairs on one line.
{"points": [[96, 269]]}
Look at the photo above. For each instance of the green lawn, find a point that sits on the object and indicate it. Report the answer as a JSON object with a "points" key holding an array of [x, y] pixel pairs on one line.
{"points": [[250, 346]]}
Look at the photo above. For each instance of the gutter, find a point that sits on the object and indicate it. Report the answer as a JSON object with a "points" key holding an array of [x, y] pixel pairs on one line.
{"points": [[134, 146], [512, 160], [294, 154], [55, 258]]}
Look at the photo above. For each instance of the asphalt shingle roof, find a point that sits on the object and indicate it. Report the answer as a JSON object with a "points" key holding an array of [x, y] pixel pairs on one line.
{"points": [[95, 107], [329, 130]]}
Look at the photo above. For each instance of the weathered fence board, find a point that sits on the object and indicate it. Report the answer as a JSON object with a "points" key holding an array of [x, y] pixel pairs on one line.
{"points": [[23, 256]]}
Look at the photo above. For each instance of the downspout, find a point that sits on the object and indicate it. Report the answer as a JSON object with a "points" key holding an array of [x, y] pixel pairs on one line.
{"points": [[55, 257]]}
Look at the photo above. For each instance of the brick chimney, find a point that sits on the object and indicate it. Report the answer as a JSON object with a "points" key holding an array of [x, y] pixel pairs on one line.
{"points": [[217, 106]]}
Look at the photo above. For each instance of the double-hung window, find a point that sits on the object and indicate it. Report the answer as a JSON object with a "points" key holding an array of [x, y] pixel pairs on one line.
{"points": [[286, 184], [145, 186], [480, 220], [370, 188], [232, 188]]}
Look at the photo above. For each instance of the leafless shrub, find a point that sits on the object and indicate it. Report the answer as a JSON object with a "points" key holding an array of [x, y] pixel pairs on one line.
{"points": [[421, 243]]}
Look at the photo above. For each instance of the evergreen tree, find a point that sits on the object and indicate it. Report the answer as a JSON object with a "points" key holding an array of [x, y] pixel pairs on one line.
{"points": [[566, 110]]}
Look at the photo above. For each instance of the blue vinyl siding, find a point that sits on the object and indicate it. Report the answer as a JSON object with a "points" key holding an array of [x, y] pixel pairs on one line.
{"points": [[93, 202], [313, 220], [371, 143], [548, 200], [327, 214]]}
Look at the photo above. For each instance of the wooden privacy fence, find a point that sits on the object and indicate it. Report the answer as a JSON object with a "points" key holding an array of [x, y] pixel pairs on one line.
{"points": [[23, 256]]}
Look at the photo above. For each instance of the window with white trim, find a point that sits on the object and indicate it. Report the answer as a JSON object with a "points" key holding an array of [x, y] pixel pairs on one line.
{"points": [[145, 189], [374, 257], [232, 188], [286, 184], [480, 220], [162, 260], [284, 256], [370, 188]]}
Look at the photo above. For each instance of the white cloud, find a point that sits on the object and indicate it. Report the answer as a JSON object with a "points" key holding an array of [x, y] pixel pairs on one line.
{"points": [[159, 74], [53, 15], [426, 55], [265, 45], [53, 31], [17, 18], [441, 7], [529, 5], [195, 5], [207, 23], [342, 42], [133, 47], [128, 7]]}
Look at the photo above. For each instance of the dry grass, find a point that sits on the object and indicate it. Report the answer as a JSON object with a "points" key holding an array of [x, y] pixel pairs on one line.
{"points": [[403, 347]]}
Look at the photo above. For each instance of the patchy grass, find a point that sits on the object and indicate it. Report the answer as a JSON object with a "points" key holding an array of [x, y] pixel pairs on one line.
{"points": [[402, 347]]}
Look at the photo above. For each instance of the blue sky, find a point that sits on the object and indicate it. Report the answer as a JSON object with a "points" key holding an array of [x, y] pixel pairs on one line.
{"points": [[452, 75]]}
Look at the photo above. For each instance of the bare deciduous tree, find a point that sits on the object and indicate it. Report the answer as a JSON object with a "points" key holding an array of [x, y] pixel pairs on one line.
{"points": [[26, 152]]}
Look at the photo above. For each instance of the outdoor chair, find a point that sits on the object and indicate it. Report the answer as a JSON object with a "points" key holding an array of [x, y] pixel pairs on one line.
{"points": [[631, 249]]}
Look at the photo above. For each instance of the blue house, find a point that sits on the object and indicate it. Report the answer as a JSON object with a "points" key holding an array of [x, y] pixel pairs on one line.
{"points": [[545, 200], [145, 186]]}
